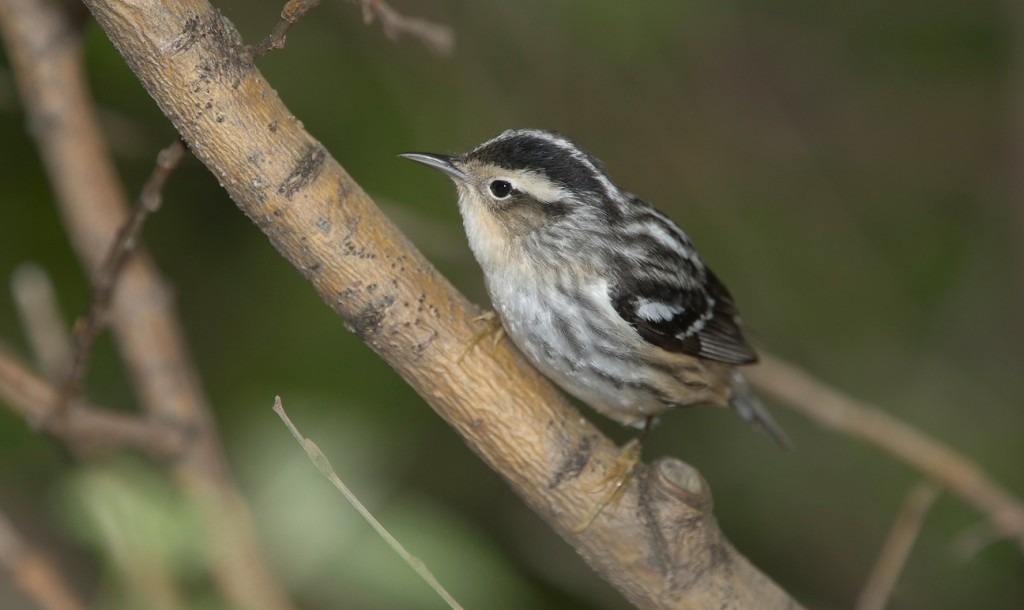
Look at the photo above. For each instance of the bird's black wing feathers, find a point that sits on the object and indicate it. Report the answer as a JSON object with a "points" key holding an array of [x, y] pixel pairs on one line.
{"points": [[699, 320]]}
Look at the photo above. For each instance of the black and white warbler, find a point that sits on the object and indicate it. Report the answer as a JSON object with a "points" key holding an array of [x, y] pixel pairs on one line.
{"points": [[602, 293]]}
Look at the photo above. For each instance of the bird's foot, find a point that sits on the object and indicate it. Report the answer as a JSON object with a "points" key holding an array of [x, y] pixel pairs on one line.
{"points": [[493, 328], [613, 485]]}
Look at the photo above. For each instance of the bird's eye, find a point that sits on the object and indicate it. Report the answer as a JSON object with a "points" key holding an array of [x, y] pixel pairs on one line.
{"points": [[501, 188]]}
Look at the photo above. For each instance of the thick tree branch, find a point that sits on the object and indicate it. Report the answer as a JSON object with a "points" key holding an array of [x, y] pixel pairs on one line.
{"points": [[45, 52], [662, 546]]}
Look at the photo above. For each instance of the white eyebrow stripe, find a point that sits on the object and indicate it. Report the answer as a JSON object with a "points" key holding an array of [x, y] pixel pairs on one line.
{"points": [[537, 186], [610, 190]]}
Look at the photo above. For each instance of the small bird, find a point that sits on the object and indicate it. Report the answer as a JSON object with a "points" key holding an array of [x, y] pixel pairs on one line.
{"points": [[602, 293]]}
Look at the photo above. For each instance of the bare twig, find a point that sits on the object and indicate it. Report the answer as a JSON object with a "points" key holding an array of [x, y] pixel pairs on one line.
{"points": [[293, 11], [324, 466], [896, 549], [86, 427], [42, 320], [33, 573], [833, 409], [662, 548], [45, 54], [89, 326], [439, 39]]}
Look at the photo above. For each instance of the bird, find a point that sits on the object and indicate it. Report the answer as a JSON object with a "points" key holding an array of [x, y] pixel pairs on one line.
{"points": [[603, 294]]}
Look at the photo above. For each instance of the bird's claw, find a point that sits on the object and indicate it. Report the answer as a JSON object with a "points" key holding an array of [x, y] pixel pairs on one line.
{"points": [[493, 327], [613, 485]]}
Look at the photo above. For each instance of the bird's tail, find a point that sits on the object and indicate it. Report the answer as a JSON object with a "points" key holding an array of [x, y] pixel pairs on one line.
{"points": [[750, 408]]}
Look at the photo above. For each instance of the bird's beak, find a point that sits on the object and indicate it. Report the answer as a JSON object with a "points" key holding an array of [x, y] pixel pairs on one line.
{"points": [[445, 163]]}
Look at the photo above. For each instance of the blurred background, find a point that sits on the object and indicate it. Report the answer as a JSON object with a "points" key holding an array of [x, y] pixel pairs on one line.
{"points": [[853, 171]]}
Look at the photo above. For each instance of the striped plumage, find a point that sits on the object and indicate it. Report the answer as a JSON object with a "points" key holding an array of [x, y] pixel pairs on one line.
{"points": [[603, 293]]}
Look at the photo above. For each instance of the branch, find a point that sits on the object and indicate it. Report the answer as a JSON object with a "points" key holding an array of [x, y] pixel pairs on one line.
{"points": [[897, 547], [89, 326], [45, 53], [86, 427], [322, 464], [293, 11], [835, 410], [662, 547], [439, 39], [42, 319], [33, 573]]}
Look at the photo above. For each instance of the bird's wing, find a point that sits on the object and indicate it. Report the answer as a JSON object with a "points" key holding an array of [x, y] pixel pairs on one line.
{"points": [[697, 318]]}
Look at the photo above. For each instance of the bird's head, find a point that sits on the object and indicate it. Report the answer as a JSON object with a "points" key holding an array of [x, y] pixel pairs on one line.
{"points": [[524, 181]]}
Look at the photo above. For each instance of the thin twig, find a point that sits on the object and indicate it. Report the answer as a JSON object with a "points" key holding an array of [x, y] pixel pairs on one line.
{"points": [[44, 324], [293, 11], [88, 327], [833, 409], [324, 466], [33, 573], [86, 427], [896, 549], [45, 54], [438, 38]]}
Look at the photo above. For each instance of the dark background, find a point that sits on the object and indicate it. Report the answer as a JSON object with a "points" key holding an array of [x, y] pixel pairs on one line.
{"points": [[848, 168]]}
